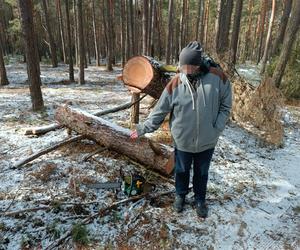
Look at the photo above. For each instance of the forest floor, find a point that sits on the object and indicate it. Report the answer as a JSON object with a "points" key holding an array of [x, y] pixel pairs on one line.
{"points": [[253, 192]]}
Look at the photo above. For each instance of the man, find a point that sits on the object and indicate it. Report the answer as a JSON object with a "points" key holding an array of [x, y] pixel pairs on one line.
{"points": [[199, 101]]}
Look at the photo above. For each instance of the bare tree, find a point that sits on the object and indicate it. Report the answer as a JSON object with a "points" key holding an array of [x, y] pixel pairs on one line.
{"points": [[61, 29], [71, 69], [145, 26], [261, 27], [289, 39], [236, 30], [268, 39], [3, 76], [282, 28], [223, 25], [50, 35], [95, 28], [169, 32], [80, 42], [33, 67]]}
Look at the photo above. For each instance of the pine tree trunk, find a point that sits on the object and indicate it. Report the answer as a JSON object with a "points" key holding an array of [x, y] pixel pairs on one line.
{"points": [[150, 28], [223, 25], [268, 39], [80, 42], [262, 27], [95, 34], [3, 76], [236, 30], [70, 56], [170, 30], [282, 28], [289, 39], [206, 19], [123, 34], [33, 67], [61, 29], [128, 32], [108, 32], [75, 33], [145, 26], [50, 35]]}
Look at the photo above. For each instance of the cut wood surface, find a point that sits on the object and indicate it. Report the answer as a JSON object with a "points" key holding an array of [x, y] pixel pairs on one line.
{"points": [[157, 156], [144, 74]]}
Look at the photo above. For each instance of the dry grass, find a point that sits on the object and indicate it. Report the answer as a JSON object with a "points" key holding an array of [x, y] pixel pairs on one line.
{"points": [[45, 172]]}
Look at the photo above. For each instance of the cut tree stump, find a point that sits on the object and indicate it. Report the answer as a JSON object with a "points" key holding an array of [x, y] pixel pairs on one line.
{"points": [[146, 75], [156, 156]]}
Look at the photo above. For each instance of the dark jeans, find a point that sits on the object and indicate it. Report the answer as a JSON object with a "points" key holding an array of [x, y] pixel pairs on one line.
{"points": [[201, 162]]}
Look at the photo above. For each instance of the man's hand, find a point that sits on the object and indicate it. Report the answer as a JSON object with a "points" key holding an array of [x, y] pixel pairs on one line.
{"points": [[134, 135]]}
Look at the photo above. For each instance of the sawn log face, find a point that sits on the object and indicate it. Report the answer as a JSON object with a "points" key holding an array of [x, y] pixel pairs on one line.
{"points": [[157, 156]]}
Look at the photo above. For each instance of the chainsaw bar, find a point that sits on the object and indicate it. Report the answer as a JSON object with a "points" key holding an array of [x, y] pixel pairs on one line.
{"points": [[105, 185]]}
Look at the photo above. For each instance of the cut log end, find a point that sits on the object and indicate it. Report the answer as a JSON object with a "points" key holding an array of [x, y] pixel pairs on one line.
{"points": [[138, 73]]}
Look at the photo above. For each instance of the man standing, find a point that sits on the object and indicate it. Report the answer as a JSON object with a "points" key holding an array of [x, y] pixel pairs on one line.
{"points": [[199, 101]]}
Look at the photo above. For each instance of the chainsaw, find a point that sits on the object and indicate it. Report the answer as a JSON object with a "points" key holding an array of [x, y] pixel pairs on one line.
{"points": [[131, 185]]}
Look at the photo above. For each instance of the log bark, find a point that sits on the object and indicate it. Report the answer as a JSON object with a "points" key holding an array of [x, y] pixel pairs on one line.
{"points": [[156, 156], [143, 74]]}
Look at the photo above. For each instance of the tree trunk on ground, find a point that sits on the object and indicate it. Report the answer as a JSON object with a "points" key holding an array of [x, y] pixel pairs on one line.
{"points": [[33, 67], [70, 57], [144, 74], [157, 156], [289, 39], [50, 35], [3, 76], [283, 23], [268, 39], [61, 29], [80, 42], [236, 30]]}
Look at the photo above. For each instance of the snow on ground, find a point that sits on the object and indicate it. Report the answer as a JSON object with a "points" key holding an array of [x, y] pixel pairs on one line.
{"points": [[253, 193]]}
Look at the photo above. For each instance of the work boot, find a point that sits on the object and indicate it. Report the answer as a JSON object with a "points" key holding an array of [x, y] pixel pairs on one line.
{"points": [[201, 209], [179, 203]]}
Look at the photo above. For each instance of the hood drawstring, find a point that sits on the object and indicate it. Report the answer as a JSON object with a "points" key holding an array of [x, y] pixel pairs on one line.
{"points": [[186, 81], [203, 92]]}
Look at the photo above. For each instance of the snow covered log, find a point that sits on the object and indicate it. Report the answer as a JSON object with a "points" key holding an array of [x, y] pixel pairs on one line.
{"points": [[146, 75], [157, 156]]}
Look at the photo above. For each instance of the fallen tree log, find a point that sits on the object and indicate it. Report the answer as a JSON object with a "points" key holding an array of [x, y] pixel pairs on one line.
{"points": [[47, 128], [157, 156], [146, 75]]}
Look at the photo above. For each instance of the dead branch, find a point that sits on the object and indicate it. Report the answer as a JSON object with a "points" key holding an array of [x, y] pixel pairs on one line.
{"points": [[103, 211], [47, 150], [13, 213], [97, 151]]}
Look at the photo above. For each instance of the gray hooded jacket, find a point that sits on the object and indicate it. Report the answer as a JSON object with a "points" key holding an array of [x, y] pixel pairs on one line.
{"points": [[198, 114]]}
